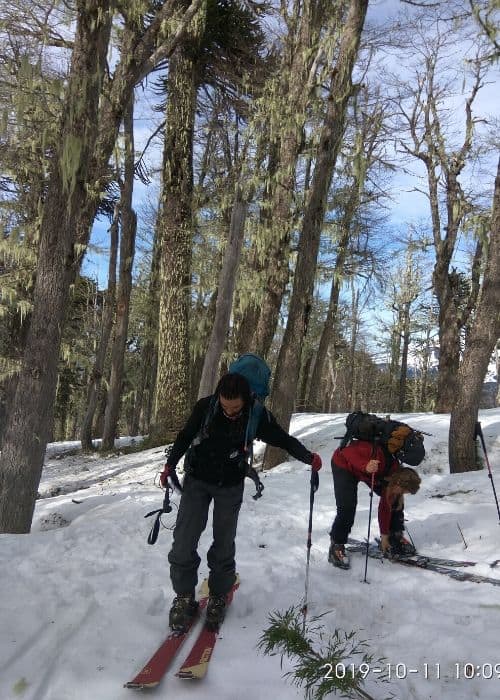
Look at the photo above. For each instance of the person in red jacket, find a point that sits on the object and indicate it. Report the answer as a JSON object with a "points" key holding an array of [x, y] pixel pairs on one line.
{"points": [[371, 463]]}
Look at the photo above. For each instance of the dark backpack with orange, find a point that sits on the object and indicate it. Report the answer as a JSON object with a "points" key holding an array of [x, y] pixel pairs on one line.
{"points": [[401, 440]]}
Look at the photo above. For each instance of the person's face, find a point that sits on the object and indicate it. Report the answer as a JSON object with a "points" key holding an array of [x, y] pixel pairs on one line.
{"points": [[231, 408]]}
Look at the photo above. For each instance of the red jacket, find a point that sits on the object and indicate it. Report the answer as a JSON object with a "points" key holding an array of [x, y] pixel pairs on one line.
{"points": [[354, 459]]}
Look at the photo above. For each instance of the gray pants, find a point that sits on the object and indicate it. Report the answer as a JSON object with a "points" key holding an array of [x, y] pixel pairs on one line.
{"points": [[191, 522]]}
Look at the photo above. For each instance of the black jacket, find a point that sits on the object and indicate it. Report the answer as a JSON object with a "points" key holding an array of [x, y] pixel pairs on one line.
{"points": [[220, 457]]}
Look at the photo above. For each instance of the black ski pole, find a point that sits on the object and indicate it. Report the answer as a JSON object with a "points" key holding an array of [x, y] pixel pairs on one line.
{"points": [[369, 525], [479, 433], [313, 489]]}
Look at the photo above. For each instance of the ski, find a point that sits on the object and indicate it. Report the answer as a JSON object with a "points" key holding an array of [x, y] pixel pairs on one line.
{"points": [[154, 670], [418, 559], [429, 563], [195, 666]]}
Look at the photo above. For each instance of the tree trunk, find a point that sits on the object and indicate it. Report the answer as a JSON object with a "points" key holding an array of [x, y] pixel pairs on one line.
{"points": [[425, 371], [497, 365], [127, 251], [149, 352], [353, 368], [32, 410], [147, 361], [449, 356], [484, 333], [294, 89], [360, 158], [329, 331], [394, 365], [203, 339], [302, 404], [289, 360], [77, 171], [404, 357], [107, 325], [7, 392], [245, 340], [175, 231], [225, 291], [248, 306]]}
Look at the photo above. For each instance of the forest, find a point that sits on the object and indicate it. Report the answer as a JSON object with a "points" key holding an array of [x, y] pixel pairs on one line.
{"points": [[314, 181]]}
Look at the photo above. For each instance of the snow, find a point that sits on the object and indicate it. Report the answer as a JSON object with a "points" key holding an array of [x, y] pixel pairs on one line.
{"points": [[85, 599]]}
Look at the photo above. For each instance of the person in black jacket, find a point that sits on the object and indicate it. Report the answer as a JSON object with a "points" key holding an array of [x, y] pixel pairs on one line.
{"points": [[215, 467]]}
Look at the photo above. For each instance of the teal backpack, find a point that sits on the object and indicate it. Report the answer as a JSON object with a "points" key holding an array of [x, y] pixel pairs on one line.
{"points": [[258, 375]]}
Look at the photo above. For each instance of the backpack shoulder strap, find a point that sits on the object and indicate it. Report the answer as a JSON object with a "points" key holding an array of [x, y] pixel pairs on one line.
{"points": [[202, 433], [256, 411], [254, 416]]}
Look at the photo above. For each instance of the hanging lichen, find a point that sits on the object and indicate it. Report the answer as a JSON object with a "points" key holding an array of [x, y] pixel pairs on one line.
{"points": [[71, 161]]}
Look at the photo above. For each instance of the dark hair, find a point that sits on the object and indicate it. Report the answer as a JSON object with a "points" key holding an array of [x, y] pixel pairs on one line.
{"points": [[233, 386], [407, 478]]}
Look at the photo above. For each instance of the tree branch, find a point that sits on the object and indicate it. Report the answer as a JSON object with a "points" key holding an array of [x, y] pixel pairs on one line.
{"points": [[166, 50], [420, 4]]}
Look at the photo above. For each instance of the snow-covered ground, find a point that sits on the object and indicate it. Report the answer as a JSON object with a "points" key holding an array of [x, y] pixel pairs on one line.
{"points": [[85, 599]]}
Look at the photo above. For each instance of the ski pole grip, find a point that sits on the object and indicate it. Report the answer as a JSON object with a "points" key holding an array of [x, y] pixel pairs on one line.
{"points": [[314, 481]]}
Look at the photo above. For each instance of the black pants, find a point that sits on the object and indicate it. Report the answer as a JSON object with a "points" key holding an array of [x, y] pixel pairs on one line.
{"points": [[191, 522], [345, 485]]}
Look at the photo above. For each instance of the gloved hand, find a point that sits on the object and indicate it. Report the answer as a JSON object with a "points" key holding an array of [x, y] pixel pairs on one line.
{"points": [[316, 463], [167, 471]]}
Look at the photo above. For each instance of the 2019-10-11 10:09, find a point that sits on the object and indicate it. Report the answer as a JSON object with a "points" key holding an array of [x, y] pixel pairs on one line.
{"points": [[459, 670]]}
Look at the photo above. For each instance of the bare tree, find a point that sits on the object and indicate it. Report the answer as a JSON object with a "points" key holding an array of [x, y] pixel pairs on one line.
{"points": [[481, 339], [361, 158], [425, 119], [127, 252], [406, 288], [285, 113], [106, 328], [340, 90], [244, 192]]}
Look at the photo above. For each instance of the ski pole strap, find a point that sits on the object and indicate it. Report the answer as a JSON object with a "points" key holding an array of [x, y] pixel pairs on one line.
{"points": [[175, 481], [166, 508], [259, 486]]}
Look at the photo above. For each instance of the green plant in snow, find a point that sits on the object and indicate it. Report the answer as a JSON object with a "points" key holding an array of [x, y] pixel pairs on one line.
{"points": [[324, 663]]}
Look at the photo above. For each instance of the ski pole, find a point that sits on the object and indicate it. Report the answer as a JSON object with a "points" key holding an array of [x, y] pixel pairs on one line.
{"points": [[369, 525], [313, 489], [166, 508], [460, 530], [479, 432]]}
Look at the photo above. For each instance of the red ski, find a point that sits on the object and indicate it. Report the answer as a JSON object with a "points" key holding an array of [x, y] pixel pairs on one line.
{"points": [[195, 666], [158, 664]]}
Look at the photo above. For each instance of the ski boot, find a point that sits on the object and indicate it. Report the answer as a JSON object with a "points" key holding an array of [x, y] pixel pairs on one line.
{"points": [[338, 557], [184, 608], [400, 546], [216, 611]]}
